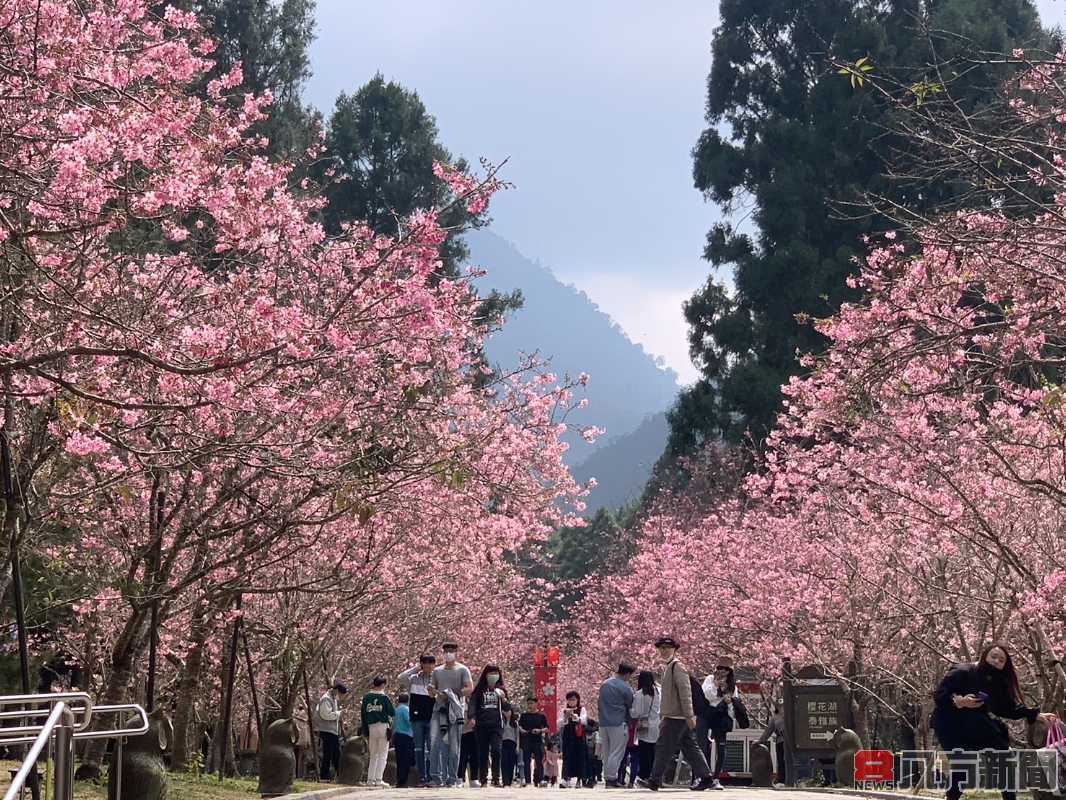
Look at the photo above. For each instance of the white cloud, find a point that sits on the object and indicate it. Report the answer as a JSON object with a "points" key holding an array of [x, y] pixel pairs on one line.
{"points": [[649, 313]]}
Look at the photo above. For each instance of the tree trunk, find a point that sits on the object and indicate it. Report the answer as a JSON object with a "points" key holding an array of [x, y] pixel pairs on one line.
{"points": [[217, 748], [186, 739], [116, 687]]}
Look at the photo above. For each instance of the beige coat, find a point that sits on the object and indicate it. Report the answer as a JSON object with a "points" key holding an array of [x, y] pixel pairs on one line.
{"points": [[677, 692]]}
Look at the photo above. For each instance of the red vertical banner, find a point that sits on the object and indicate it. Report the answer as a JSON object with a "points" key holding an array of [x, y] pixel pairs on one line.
{"points": [[544, 687]]}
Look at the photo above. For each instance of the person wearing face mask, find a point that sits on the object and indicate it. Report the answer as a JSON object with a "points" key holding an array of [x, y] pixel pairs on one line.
{"points": [[485, 717], [450, 684]]}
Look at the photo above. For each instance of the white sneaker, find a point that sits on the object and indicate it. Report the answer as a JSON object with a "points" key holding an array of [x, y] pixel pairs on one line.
{"points": [[779, 786], [475, 784], [717, 785]]}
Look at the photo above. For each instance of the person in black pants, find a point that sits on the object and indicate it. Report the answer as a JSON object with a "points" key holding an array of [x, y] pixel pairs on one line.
{"points": [[725, 712], [403, 740], [533, 726], [326, 720], [964, 699], [645, 712], [574, 747], [509, 753], [467, 772], [485, 714]]}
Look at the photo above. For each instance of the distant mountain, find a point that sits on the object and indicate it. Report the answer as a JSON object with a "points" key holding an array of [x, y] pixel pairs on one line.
{"points": [[563, 325], [622, 464]]}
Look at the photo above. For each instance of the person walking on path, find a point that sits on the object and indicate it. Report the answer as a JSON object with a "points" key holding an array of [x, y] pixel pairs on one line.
{"points": [[485, 717], [615, 701], [551, 763], [326, 721], [533, 726], [726, 712], [645, 711], [963, 701], [509, 754], [677, 722], [450, 684], [467, 774], [574, 722], [377, 714], [403, 740], [415, 682]]}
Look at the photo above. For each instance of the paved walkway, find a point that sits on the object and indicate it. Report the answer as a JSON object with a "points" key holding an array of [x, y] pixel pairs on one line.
{"points": [[733, 793]]}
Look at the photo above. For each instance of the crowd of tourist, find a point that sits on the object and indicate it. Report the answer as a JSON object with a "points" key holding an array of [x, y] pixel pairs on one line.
{"points": [[458, 732]]}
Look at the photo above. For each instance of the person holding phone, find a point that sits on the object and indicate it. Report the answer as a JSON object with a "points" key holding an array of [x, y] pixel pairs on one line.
{"points": [[726, 711], [574, 721], [971, 702]]}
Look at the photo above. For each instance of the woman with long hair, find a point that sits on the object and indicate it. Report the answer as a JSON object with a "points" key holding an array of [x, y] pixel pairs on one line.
{"points": [[725, 712], [970, 701], [485, 715], [574, 720], [645, 711]]}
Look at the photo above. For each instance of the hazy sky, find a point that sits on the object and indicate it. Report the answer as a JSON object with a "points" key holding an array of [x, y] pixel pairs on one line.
{"points": [[596, 104]]}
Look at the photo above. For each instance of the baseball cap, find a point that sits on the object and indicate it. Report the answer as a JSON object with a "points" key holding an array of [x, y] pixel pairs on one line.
{"points": [[667, 641]]}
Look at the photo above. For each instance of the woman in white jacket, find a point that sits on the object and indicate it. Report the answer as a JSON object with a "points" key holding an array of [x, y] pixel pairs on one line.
{"points": [[726, 713], [645, 711]]}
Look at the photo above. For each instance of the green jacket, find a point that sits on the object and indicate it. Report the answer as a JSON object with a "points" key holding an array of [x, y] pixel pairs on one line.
{"points": [[377, 707]]}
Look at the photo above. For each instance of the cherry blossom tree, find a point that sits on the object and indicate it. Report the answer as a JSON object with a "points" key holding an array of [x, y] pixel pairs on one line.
{"points": [[907, 509], [209, 404]]}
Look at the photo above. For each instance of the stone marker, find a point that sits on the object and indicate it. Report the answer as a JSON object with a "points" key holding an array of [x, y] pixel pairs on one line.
{"points": [[354, 761], [762, 767], [846, 743], [277, 759]]}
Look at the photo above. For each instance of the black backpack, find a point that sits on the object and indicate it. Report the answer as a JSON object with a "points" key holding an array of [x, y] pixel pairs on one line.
{"points": [[700, 707]]}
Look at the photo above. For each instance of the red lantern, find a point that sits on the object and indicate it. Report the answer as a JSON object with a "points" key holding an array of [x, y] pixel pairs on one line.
{"points": [[553, 656], [538, 657]]}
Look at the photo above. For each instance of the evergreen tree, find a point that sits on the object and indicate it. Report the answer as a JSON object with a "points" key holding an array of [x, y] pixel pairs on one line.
{"points": [[580, 554], [381, 144], [804, 148], [271, 40]]}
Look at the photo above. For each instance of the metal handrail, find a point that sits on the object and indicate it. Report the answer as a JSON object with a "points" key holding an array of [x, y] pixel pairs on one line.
{"points": [[63, 724], [78, 703], [60, 722], [140, 728]]}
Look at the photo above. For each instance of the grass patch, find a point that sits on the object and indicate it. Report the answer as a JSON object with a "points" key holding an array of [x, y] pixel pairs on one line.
{"points": [[183, 786]]}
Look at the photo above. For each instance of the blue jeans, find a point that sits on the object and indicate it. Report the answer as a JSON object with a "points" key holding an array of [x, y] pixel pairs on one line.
{"points": [[423, 747], [444, 756]]}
